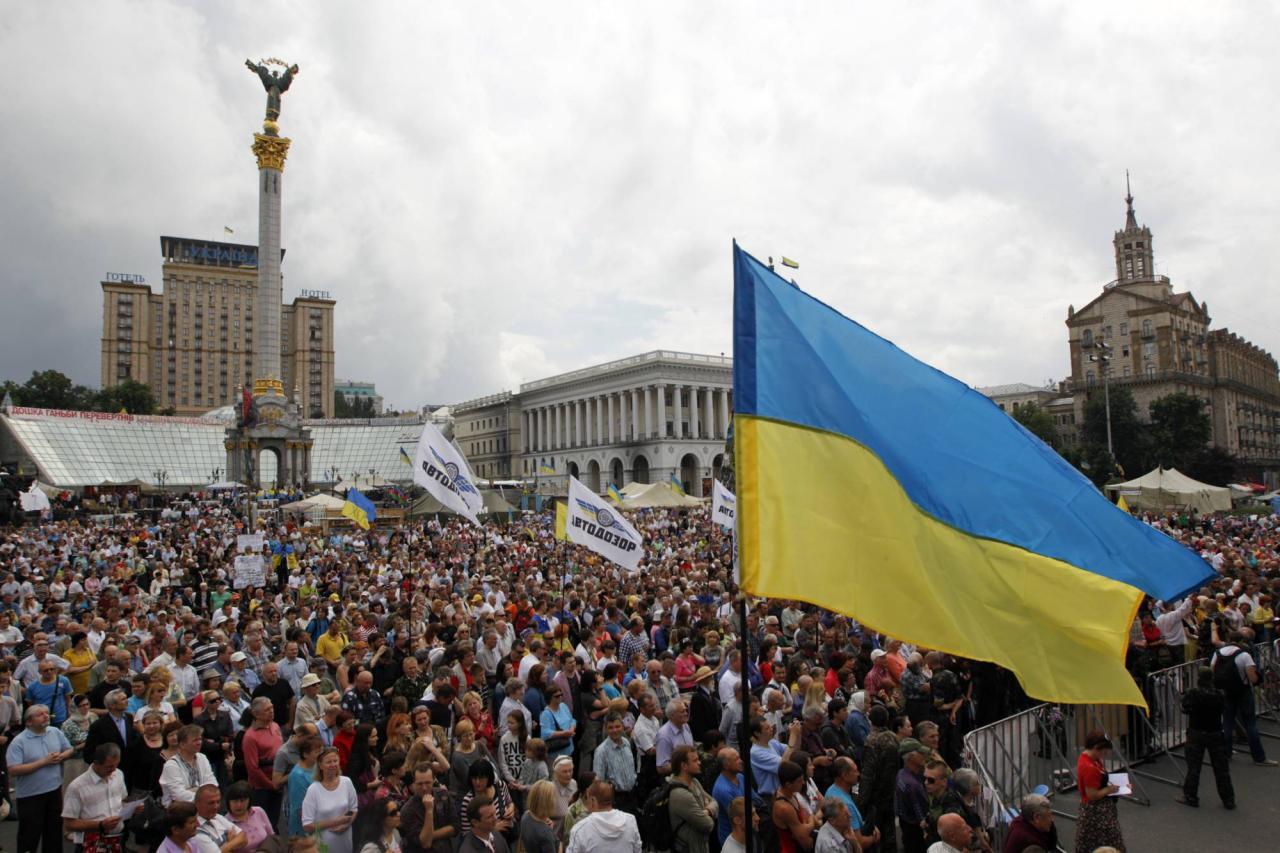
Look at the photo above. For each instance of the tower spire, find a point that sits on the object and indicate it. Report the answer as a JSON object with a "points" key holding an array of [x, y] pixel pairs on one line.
{"points": [[1131, 221]]}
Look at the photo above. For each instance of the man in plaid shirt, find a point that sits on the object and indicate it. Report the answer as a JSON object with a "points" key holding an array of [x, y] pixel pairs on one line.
{"points": [[633, 641]]}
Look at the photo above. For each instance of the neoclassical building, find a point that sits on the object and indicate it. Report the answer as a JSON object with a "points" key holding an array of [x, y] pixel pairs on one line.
{"points": [[639, 419]]}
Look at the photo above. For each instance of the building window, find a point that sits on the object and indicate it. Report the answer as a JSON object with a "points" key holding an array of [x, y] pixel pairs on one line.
{"points": [[1086, 339], [1124, 328], [1147, 329]]}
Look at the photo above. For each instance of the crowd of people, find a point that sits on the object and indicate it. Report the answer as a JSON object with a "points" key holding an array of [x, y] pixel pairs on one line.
{"points": [[442, 687]]}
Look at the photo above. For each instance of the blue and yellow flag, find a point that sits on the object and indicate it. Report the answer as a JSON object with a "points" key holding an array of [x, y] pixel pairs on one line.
{"points": [[676, 485], [562, 521], [871, 484], [547, 470], [614, 494], [405, 458], [359, 509]]}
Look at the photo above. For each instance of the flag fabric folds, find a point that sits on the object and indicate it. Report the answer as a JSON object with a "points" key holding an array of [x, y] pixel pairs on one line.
{"points": [[359, 509], [614, 494], [562, 521], [724, 505], [404, 457], [33, 499], [547, 470], [595, 525], [1122, 503], [442, 470], [874, 485], [676, 485], [787, 262]]}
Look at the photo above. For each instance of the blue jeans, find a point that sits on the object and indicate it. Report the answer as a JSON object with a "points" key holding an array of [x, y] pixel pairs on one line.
{"points": [[1243, 707]]}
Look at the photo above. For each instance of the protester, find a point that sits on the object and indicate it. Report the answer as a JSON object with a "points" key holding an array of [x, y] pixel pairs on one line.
{"points": [[1099, 822], [605, 828], [34, 758]]}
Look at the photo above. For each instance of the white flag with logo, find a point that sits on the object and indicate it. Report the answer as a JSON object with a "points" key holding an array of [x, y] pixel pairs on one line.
{"points": [[593, 523], [440, 469], [33, 499], [724, 505]]}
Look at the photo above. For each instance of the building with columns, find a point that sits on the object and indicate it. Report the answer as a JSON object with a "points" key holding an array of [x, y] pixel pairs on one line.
{"points": [[638, 419], [488, 431]]}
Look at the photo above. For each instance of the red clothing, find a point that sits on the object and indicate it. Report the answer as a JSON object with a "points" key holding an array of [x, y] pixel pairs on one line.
{"points": [[896, 665], [831, 682], [1151, 633], [1089, 774], [342, 742], [260, 747]]}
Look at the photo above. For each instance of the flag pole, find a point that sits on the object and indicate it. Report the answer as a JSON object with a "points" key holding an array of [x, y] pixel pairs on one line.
{"points": [[744, 651]]}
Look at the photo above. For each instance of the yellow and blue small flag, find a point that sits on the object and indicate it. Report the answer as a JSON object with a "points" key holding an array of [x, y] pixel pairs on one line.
{"points": [[547, 470], [359, 509], [787, 262], [614, 494], [970, 535], [404, 457], [676, 485]]}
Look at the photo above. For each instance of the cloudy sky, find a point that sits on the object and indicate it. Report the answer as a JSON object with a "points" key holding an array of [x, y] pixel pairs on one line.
{"points": [[495, 192]]}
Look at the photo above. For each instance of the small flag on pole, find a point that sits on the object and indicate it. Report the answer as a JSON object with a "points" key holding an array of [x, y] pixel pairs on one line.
{"points": [[676, 485], [228, 229], [1120, 502], [548, 470], [359, 509], [787, 262], [601, 529], [614, 494], [404, 457]]}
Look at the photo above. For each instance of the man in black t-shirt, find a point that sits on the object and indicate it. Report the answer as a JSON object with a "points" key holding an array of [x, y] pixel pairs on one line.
{"points": [[279, 692]]}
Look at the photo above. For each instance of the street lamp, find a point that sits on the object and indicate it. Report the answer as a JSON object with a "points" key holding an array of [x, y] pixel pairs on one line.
{"points": [[160, 477], [1103, 359]]}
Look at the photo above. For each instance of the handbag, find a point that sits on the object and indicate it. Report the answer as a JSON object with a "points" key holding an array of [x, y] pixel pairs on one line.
{"points": [[149, 819]]}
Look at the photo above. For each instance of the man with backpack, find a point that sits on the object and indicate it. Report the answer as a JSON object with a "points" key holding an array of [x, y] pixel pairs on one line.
{"points": [[1203, 705], [1235, 673]]}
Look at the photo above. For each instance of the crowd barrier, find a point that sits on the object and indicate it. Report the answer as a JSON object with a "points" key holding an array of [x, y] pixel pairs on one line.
{"points": [[1035, 751]]}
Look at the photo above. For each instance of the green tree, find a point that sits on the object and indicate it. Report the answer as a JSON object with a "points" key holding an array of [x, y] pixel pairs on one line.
{"points": [[131, 395], [1130, 438], [50, 389], [355, 407], [1180, 430], [1038, 421], [1211, 465]]}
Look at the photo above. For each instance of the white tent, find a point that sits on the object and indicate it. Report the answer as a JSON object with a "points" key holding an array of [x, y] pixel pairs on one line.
{"points": [[1165, 488], [657, 494], [225, 486]]}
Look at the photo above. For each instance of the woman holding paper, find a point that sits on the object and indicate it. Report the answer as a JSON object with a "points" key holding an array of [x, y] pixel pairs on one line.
{"points": [[1099, 823]]}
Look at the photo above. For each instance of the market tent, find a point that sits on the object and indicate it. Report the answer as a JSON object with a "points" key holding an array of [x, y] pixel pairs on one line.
{"points": [[315, 502], [657, 495], [493, 503], [139, 485], [630, 490], [1164, 488]]}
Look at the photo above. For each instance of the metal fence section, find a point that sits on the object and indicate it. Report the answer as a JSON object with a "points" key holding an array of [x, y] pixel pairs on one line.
{"points": [[1035, 751]]}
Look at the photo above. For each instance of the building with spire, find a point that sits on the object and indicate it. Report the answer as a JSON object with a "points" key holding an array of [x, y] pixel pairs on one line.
{"points": [[1156, 341]]}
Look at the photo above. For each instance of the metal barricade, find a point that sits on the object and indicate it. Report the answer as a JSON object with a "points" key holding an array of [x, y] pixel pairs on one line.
{"points": [[1267, 691]]}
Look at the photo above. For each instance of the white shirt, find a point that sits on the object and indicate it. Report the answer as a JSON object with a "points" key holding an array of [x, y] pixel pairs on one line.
{"points": [[614, 830], [90, 797], [212, 834], [943, 847], [728, 682], [179, 781], [645, 735], [1170, 623]]}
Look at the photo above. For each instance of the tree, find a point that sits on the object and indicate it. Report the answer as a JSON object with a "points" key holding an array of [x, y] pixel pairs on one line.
{"points": [[1037, 421], [130, 395], [49, 389], [353, 407], [1180, 430], [1130, 438], [1211, 465]]}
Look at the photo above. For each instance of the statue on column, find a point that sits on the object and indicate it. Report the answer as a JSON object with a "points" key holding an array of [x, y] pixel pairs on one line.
{"points": [[275, 84]]}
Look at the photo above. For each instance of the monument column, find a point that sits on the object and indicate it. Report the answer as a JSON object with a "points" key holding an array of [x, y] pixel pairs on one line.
{"points": [[675, 411], [708, 419], [599, 420], [661, 391], [648, 411], [635, 413], [693, 411]]}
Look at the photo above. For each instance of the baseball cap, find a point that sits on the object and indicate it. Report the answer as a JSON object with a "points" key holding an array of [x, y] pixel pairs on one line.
{"points": [[239, 656], [911, 745], [878, 653]]}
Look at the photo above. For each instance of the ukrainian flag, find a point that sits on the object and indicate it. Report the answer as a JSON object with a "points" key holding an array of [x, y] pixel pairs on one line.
{"points": [[562, 521], [548, 470], [614, 494], [404, 457], [676, 485], [359, 509], [872, 484]]}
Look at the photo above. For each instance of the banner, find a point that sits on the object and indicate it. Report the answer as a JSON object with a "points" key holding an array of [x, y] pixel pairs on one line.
{"points": [[595, 525], [249, 542], [34, 500], [440, 469], [724, 505], [250, 570]]}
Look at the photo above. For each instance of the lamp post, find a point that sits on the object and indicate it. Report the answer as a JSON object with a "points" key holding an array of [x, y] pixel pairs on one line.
{"points": [[160, 477], [1103, 359]]}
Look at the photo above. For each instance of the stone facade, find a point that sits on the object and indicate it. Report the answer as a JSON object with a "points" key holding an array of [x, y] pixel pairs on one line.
{"points": [[194, 342], [1161, 343], [488, 431], [641, 418]]}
